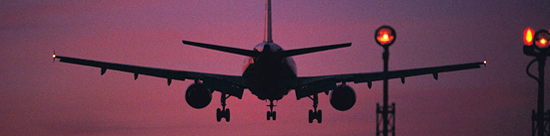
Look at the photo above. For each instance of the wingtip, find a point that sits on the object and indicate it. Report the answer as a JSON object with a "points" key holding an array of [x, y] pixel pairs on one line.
{"points": [[189, 42], [53, 55], [184, 41]]}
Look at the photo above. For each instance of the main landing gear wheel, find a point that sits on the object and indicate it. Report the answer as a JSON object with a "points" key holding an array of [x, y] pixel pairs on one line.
{"points": [[223, 113], [315, 114], [271, 114]]}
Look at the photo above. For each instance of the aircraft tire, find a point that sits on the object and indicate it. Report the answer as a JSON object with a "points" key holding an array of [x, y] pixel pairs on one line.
{"points": [[218, 115], [310, 116], [227, 115], [274, 115], [319, 116]]}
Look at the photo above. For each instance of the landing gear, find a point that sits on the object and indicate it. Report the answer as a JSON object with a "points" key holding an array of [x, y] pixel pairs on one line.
{"points": [[223, 113], [315, 114], [271, 114]]}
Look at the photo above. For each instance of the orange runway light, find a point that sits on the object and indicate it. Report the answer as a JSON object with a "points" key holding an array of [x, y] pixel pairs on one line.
{"points": [[528, 36], [541, 39], [385, 36], [542, 43]]}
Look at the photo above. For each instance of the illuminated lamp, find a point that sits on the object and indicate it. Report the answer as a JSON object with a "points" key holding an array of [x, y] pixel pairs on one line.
{"points": [[385, 36], [541, 39], [528, 36]]}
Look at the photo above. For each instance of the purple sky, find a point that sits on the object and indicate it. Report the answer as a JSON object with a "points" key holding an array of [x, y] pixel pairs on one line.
{"points": [[38, 97]]}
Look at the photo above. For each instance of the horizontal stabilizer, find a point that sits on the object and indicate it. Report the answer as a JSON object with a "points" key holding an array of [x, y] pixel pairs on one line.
{"points": [[244, 52], [295, 52]]}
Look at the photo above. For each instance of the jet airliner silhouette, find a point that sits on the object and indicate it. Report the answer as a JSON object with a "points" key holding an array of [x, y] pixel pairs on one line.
{"points": [[270, 74]]}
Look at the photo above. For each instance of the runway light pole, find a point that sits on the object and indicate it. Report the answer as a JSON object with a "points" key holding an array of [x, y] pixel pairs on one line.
{"points": [[540, 51], [385, 36]]}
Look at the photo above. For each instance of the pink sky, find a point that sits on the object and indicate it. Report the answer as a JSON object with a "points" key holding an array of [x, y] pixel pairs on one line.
{"points": [[38, 97]]}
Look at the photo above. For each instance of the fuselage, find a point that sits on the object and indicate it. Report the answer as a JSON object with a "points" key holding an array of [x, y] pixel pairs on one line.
{"points": [[269, 75]]}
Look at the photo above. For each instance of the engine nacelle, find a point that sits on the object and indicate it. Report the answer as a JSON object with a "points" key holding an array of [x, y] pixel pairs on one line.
{"points": [[198, 96], [342, 98]]}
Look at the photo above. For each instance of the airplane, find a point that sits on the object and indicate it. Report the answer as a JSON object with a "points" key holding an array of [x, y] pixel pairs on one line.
{"points": [[270, 74]]}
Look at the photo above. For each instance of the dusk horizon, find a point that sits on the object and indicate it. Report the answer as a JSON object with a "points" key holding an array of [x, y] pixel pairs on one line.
{"points": [[41, 97]]}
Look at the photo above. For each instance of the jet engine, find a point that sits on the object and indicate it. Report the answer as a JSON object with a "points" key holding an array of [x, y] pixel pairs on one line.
{"points": [[198, 96], [342, 98]]}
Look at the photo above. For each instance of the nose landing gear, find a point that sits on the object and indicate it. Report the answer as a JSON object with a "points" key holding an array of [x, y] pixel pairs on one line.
{"points": [[271, 114]]}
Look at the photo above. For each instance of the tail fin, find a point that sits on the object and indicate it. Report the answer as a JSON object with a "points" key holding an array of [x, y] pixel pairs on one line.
{"points": [[267, 34]]}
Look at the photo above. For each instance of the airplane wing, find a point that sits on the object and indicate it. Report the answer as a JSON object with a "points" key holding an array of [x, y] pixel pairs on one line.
{"points": [[232, 85], [306, 86]]}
